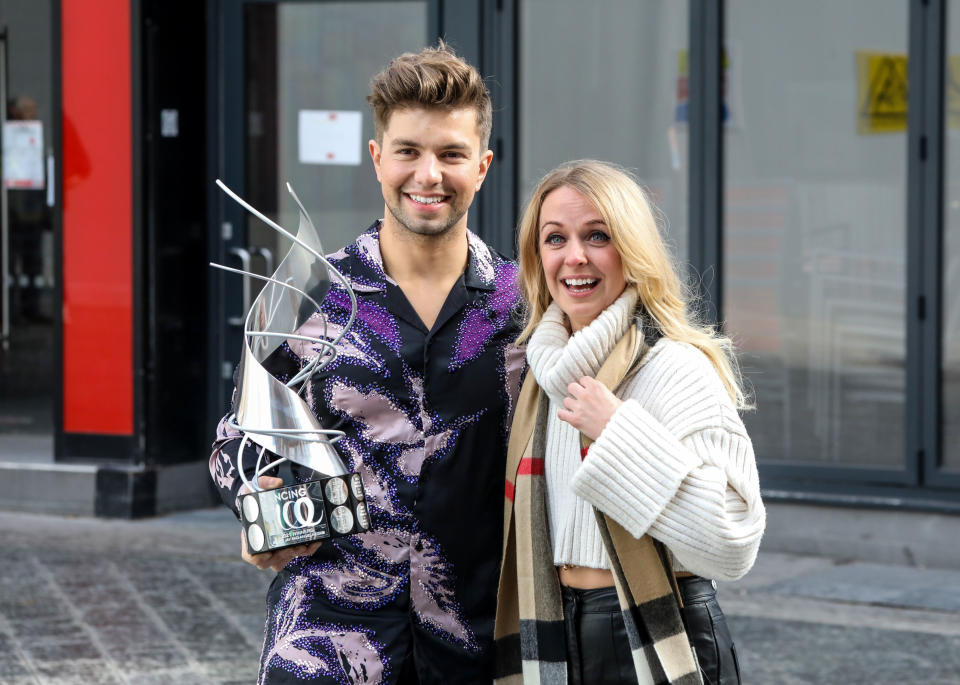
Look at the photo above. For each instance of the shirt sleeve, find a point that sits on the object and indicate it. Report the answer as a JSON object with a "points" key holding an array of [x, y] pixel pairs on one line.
{"points": [[698, 493]]}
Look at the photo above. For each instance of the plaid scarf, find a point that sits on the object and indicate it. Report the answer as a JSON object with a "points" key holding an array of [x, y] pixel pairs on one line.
{"points": [[529, 632]]}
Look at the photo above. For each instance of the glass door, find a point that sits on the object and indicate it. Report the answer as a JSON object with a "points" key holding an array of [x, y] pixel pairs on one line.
{"points": [[643, 127], [27, 274], [815, 268], [948, 463], [295, 85]]}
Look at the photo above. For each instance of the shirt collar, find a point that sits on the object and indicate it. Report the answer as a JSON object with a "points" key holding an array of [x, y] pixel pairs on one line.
{"points": [[366, 273]]}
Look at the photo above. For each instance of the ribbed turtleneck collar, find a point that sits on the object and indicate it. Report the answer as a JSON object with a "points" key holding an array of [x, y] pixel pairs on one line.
{"points": [[557, 358]]}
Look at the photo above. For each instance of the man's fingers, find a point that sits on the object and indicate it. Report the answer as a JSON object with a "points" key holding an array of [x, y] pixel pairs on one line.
{"points": [[243, 545], [244, 552], [264, 483], [261, 561], [269, 482], [280, 559], [574, 389], [276, 560]]}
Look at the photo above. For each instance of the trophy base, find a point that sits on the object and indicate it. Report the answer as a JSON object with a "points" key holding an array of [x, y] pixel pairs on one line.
{"points": [[303, 513]]}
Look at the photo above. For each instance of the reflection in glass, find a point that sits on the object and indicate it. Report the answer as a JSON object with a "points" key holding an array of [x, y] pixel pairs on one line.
{"points": [[304, 56], [607, 81], [27, 248], [950, 388], [815, 242]]}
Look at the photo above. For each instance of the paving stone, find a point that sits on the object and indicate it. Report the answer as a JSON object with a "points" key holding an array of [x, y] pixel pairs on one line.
{"points": [[30, 607], [76, 671], [168, 601], [244, 668], [41, 642], [180, 677], [878, 584], [12, 665], [793, 652], [13, 668], [198, 625], [206, 673], [150, 661]]}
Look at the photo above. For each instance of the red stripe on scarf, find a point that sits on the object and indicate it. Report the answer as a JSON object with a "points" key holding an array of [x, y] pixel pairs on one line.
{"points": [[531, 467], [508, 490]]}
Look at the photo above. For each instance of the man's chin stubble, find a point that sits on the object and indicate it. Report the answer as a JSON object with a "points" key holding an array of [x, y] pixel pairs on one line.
{"points": [[440, 233]]}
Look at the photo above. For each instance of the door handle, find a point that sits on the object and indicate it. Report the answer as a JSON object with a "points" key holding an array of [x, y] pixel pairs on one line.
{"points": [[244, 256], [51, 177], [267, 255]]}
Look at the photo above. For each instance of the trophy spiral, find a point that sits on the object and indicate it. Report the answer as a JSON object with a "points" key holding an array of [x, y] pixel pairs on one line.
{"points": [[274, 417]]}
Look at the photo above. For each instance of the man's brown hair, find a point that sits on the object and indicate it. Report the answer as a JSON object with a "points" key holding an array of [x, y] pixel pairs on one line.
{"points": [[432, 78]]}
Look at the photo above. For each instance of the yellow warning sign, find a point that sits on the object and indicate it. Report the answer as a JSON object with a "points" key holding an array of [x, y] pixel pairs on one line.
{"points": [[881, 92]]}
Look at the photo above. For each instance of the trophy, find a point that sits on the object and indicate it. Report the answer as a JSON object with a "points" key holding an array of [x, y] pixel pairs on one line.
{"points": [[274, 417]]}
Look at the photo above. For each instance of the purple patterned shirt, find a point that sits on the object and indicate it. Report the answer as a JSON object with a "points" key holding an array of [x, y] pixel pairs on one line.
{"points": [[426, 415]]}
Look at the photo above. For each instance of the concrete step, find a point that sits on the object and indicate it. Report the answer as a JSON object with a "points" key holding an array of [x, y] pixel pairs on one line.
{"points": [[104, 489]]}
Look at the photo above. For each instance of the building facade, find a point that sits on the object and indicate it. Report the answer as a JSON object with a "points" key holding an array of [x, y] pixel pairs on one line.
{"points": [[807, 192]]}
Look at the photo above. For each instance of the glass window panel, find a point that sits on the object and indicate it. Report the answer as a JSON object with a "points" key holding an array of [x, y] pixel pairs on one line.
{"points": [[950, 406], [814, 233], [27, 293], [305, 56], [607, 81]]}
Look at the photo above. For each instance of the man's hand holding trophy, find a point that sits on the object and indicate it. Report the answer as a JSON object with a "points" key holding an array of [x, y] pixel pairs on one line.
{"points": [[280, 521]]}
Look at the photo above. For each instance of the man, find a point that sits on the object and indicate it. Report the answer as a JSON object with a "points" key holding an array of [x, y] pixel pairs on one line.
{"points": [[423, 387]]}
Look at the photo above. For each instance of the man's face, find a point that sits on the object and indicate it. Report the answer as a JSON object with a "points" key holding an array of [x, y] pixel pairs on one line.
{"points": [[429, 167]]}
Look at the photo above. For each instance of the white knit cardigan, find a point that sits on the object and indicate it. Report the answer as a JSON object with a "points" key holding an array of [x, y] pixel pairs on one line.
{"points": [[674, 461]]}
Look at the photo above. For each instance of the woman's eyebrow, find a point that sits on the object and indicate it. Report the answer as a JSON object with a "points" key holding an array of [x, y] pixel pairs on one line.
{"points": [[592, 222]]}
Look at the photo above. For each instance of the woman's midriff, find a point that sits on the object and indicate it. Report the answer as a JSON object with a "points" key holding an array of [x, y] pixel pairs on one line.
{"points": [[584, 578]]}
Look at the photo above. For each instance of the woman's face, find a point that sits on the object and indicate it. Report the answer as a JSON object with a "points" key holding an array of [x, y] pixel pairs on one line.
{"points": [[582, 267]]}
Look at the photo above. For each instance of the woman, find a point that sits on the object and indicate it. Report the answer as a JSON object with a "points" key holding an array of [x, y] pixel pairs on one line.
{"points": [[601, 537]]}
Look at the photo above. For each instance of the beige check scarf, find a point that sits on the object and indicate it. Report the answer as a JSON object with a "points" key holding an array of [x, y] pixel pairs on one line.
{"points": [[529, 633]]}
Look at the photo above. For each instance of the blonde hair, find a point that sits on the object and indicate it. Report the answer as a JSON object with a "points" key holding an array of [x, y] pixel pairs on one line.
{"points": [[647, 266], [432, 78]]}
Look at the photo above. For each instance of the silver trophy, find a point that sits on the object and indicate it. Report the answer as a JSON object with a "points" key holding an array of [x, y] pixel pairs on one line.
{"points": [[274, 417]]}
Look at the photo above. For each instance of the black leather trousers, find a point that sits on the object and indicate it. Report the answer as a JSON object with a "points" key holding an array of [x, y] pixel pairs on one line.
{"points": [[597, 647]]}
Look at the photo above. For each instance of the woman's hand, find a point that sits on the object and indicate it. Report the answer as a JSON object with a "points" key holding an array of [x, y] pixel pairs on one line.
{"points": [[274, 561], [588, 406]]}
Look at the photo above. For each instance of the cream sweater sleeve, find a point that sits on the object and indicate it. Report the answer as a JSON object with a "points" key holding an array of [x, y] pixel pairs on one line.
{"points": [[675, 462]]}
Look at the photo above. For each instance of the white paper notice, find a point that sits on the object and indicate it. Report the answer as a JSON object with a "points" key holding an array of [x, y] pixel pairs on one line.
{"points": [[23, 154], [330, 137]]}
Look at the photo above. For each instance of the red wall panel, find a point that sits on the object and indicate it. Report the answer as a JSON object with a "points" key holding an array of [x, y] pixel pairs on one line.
{"points": [[97, 217]]}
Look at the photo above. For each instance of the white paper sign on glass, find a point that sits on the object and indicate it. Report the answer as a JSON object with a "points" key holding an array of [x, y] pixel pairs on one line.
{"points": [[23, 154], [329, 137]]}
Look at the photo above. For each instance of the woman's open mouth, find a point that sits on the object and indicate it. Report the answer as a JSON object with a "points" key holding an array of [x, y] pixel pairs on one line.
{"points": [[579, 286]]}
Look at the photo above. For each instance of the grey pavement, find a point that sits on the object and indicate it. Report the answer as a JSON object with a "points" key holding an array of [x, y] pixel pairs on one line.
{"points": [[167, 600]]}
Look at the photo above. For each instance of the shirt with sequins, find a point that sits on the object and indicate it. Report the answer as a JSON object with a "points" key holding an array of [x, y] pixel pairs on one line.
{"points": [[426, 416]]}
